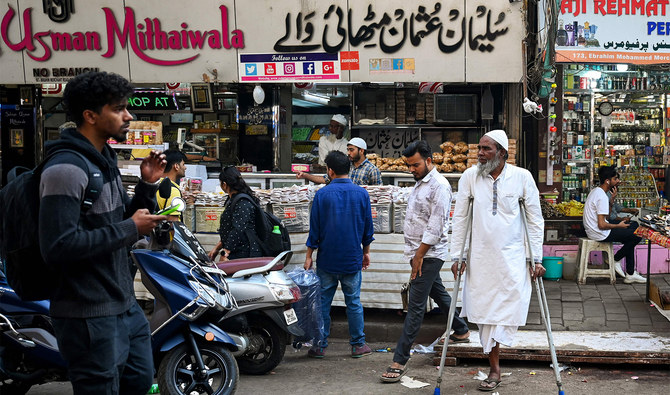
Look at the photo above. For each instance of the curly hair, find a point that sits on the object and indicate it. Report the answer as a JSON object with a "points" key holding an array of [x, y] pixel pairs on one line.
{"points": [[92, 91]]}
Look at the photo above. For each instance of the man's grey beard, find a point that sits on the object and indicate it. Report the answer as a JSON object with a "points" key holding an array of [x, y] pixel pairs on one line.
{"points": [[486, 168]]}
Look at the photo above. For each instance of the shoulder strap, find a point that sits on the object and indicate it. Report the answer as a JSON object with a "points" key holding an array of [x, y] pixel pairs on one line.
{"points": [[95, 181]]}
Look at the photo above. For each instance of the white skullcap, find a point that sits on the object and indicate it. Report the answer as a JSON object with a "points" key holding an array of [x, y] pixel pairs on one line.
{"points": [[339, 118], [358, 142], [500, 137]]}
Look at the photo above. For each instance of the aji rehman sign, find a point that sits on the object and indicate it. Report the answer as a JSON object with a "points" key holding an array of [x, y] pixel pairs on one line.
{"points": [[613, 31]]}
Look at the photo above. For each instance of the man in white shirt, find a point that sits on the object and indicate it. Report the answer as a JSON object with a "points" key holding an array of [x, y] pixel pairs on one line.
{"points": [[497, 287], [335, 141], [596, 211], [426, 249]]}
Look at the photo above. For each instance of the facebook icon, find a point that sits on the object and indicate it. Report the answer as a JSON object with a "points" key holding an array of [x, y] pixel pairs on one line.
{"points": [[308, 68]]}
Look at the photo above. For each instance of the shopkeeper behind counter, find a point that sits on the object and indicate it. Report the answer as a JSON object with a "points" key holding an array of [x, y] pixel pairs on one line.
{"points": [[361, 172], [334, 141]]}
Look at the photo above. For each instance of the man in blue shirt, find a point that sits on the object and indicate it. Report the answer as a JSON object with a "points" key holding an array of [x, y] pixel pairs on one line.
{"points": [[340, 228]]}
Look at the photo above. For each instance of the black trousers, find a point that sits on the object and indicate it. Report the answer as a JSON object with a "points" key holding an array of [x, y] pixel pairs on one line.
{"points": [[107, 355], [630, 240], [428, 284]]}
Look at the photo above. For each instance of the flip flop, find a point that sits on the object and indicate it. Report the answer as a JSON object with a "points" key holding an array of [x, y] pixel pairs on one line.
{"points": [[483, 387], [399, 372], [454, 339]]}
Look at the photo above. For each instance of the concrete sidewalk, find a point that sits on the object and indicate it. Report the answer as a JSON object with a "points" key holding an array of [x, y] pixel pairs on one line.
{"points": [[595, 306]]}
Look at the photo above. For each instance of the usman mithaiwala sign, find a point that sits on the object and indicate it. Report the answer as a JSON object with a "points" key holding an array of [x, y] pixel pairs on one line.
{"points": [[190, 41]]}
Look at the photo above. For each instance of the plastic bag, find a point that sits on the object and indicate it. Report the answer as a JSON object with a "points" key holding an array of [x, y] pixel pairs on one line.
{"points": [[308, 309]]}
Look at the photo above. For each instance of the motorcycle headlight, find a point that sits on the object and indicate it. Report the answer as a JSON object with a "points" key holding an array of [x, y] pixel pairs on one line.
{"points": [[211, 296]]}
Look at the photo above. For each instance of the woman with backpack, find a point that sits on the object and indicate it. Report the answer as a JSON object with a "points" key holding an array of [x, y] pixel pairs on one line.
{"points": [[237, 227]]}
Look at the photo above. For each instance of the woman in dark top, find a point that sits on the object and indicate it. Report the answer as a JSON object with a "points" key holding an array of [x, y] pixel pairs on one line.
{"points": [[238, 221]]}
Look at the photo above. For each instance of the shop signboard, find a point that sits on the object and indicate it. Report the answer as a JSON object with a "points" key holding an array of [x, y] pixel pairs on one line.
{"points": [[205, 41], [397, 40], [289, 67], [152, 101], [608, 31], [389, 142], [142, 40]]}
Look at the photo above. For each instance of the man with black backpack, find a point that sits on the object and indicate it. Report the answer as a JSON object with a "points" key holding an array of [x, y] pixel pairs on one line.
{"points": [[102, 332]]}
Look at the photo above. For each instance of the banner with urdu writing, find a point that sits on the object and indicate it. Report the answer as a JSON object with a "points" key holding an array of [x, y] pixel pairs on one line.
{"points": [[608, 31]]}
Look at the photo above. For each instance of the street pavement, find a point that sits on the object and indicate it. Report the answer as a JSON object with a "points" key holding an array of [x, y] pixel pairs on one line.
{"points": [[338, 373], [595, 306]]}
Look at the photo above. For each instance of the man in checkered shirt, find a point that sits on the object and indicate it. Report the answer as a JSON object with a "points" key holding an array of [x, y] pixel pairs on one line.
{"points": [[362, 172]]}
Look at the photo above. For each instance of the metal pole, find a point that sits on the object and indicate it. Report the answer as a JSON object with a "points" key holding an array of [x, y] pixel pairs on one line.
{"points": [[542, 300], [454, 299]]}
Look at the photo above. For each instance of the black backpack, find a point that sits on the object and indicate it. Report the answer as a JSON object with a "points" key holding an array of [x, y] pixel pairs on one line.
{"points": [[272, 244], [27, 273]]}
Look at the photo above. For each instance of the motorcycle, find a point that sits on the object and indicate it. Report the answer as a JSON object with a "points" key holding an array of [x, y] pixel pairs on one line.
{"points": [[264, 321], [28, 349], [192, 354]]}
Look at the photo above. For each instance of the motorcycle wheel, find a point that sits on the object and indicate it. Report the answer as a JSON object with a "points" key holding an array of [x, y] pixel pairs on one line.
{"points": [[14, 388], [178, 375], [270, 347]]}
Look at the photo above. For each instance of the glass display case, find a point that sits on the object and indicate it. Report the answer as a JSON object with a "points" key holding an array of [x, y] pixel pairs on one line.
{"points": [[221, 144], [611, 115], [638, 190]]}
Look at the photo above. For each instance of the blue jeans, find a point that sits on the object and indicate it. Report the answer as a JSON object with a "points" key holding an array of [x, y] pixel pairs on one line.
{"points": [[351, 288], [107, 355]]}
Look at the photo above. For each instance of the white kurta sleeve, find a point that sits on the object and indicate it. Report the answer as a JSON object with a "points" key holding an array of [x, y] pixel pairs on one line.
{"points": [[324, 148], [534, 217], [460, 220]]}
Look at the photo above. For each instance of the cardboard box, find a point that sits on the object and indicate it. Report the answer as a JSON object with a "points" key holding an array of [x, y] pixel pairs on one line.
{"points": [[399, 217], [207, 219], [294, 216], [655, 295], [381, 217], [189, 217]]}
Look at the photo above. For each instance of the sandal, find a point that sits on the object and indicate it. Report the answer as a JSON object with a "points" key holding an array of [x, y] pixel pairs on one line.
{"points": [[487, 388], [454, 339], [399, 372]]}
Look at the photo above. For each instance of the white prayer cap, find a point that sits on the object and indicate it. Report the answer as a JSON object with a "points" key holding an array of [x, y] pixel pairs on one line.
{"points": [[499, 136], [339, 118], [358, 142]]}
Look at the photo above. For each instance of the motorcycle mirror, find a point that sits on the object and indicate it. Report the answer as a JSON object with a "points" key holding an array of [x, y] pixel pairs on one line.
{"points": [[177, 205]]}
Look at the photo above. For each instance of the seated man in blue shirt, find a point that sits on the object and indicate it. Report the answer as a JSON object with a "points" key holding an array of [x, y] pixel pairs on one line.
{"points": [[340, 228]]}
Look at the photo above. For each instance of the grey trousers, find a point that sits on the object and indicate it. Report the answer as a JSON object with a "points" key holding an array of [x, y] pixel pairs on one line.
{"points": [[428, 284]]}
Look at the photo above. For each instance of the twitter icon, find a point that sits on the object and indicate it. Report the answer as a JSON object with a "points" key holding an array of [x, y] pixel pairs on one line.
{"points": [[251, 69]]}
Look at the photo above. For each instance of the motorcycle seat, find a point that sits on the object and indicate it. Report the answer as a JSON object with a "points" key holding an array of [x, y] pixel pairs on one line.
{"points": [[235, 265]]}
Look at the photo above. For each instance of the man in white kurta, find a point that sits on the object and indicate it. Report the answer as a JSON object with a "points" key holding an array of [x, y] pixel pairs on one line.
{"points": [[497, 287], [335, 141]]}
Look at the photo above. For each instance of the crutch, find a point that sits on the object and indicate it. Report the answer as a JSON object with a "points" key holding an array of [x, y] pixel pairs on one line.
{"points": [[454, 299], [542, 299]]}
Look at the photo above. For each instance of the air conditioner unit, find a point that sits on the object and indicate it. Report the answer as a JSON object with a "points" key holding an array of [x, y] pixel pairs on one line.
{"points": [[456, 108]]}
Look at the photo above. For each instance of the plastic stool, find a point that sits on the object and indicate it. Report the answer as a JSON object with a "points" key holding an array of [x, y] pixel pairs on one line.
{"points": [[585, 248]]}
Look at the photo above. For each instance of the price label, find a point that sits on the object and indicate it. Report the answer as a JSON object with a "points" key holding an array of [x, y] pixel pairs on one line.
{"points": [[290, 212]]}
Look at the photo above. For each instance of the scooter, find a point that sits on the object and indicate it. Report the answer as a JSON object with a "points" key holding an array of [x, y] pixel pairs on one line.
{"points": [[28, 349], [192, 354], [264, 321]]}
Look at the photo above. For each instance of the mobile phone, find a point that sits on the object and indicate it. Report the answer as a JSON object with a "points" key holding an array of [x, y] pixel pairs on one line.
{"points": [[168, 210]]}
